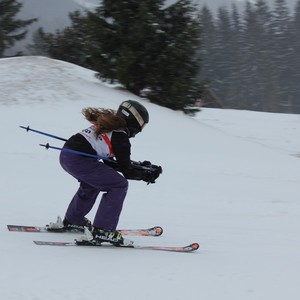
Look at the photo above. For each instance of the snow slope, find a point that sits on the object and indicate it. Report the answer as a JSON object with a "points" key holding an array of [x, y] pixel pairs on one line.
{"points": [[230, 182]]}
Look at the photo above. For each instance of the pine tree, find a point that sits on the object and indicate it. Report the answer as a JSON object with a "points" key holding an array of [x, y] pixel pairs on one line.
{"points": [[236, 88], [138, 44], [267, 80], [174, 83], [281, 30], [294, 65], [223, 54], [207, 51], [220, 54], [70, 44], [130, 39], [11, 29], [258, 75]]}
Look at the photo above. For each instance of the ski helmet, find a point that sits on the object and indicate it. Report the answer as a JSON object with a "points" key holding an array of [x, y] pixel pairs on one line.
{"points": [[136, 116]]}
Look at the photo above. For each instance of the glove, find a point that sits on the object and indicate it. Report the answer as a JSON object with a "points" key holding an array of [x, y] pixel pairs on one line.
{"points": [[146, 163], [152, 174]]}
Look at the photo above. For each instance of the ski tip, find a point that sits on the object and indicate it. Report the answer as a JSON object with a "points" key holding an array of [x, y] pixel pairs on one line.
{"points": [[38, 242], [11, 227], [190, 248], [46, 243], [20, 228], [157, 230], [15, 228], [194, 246]]}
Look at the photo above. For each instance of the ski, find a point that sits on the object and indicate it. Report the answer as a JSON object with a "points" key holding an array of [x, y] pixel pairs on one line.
{"points": [[153, 231], [185, 249]]}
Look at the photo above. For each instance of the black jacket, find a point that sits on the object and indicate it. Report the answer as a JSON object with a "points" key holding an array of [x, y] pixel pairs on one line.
{"points": [[121, 148]]}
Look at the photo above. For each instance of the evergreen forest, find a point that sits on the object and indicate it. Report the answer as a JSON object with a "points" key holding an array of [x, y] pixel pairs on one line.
{"points": [[252, 59]]}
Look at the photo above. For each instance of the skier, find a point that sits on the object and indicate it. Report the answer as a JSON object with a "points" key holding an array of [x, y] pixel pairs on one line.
{"points": [[108, 136]]}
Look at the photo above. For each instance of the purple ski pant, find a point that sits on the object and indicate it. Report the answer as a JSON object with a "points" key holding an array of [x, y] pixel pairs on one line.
{"points": [[94, 177]]}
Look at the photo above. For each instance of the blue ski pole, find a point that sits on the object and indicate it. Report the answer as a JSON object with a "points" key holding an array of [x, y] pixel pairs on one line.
{"points": [[44, 133], [135, 164], [47, 146]]}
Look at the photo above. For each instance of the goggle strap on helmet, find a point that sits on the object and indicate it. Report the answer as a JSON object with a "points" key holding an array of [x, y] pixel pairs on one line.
{"points": [[134, 112]]}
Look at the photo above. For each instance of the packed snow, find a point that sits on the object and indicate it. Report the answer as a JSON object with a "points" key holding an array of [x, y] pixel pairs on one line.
{"points": [[230, 182]]}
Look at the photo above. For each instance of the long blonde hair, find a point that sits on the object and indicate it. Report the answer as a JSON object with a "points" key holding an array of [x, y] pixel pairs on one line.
{"points": [[105, 120]]}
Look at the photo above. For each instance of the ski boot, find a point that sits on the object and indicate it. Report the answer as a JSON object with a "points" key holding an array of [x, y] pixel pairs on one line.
{"points": [[65, 226], [98, 236]]}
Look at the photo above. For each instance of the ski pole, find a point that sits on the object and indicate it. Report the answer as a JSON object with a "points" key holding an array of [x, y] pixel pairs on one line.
{"points": [[135, 164], [47, 146], [44, 133]]}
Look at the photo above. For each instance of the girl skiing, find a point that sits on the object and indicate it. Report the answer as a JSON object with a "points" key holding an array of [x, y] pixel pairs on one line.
{"points": [[108, 137]]}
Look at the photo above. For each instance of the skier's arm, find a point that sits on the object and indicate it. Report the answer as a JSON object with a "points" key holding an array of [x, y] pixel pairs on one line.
{"points": [[122, 150]]}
